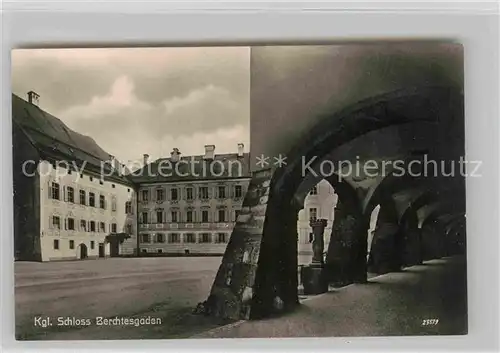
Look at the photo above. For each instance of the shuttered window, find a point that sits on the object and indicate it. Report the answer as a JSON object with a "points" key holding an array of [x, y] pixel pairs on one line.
{"points": [[55, 191]]}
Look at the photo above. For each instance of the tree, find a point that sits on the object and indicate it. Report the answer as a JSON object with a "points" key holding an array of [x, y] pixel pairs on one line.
{"points": [[118, 237]]}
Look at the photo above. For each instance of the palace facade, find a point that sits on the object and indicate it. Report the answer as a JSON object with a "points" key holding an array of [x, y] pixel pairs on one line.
{"points": [[191, 207], [70, 196], [319, 203]]}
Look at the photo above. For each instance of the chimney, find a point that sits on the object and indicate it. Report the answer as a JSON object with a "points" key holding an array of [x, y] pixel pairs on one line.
{"points": [[115, 163], [240, 149], [209, 151], [112, 161], [145, 158], [175, 155], [33, 98], [124, 169]]}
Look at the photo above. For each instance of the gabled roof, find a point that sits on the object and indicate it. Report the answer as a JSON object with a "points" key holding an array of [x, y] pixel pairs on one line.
{"points": [[194, 168], [54, 140]]}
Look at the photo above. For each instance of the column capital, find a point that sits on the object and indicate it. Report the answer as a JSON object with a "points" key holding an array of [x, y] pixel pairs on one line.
{"points": [[318, 223]]}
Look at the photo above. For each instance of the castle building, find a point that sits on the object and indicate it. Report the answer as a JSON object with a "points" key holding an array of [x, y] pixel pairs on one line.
{"points": [[69, 194], [189, 204]]}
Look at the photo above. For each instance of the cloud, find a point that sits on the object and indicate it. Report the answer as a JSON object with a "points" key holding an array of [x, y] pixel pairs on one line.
{"points": [[224, 139], [65, 77], [143, 100], [209, 115], [120, 99]]}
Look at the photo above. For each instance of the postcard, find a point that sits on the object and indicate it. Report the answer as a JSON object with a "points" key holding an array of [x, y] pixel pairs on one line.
{"points": [[240, 192]]}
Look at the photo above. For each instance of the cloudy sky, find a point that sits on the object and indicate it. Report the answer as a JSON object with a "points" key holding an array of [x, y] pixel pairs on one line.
{"points": [[136, 101]]}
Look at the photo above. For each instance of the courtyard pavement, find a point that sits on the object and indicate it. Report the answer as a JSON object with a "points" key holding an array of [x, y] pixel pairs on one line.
{"points": [[168, 287], [388, 305]]}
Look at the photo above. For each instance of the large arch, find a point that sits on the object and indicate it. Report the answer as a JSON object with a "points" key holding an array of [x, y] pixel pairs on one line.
{"points": [[411, 195], [267, 227]]}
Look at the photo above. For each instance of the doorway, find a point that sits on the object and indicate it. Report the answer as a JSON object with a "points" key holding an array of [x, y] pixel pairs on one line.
{"points": [[83, 251], [102, 252], [114, 248]]}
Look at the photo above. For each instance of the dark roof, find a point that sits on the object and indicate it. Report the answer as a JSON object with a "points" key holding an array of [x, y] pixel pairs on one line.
{"points": [[191, 168], [56, 141]]}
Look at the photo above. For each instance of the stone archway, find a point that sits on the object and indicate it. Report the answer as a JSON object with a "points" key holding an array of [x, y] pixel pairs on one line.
{"points": [[82, 251], [319, 202], [346, 256]]}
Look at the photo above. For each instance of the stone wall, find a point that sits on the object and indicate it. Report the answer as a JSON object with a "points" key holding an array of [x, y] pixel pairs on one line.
{"points": [[26, 199], [233, 288]]}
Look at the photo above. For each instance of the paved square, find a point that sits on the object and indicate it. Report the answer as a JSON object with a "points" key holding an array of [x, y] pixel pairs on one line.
{"points": [[109, 287]]}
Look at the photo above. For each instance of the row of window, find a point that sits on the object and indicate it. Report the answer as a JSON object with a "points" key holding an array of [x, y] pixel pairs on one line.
{"points": [[189, 216], [71, 244], [68, 195], [70, 171], [204, 193], [173, 238], [84, 225]]}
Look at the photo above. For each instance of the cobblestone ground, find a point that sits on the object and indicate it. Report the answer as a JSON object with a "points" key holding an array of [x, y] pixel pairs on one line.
{"points": [[391, 304], [166, 288], [169, 288]]}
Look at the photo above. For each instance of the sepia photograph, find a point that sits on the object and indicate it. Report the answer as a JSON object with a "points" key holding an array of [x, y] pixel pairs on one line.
{"points": [[240, 192]]}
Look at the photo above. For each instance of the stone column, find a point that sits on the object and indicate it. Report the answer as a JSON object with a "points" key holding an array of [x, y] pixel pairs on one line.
{"points": [[314, 276], [420, 249], [433, 242], [447, 243], [235, 293], [455, 238], [289, 264], [359, 251], [387, 242], [412, 240], [346, 257], [318, 245]]}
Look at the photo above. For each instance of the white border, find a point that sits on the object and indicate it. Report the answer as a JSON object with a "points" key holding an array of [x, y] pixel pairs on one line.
{"points": [[38, 24]]}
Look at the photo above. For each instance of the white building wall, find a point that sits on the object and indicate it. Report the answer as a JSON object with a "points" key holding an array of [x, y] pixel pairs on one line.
{"points": [[182, 247], [324, 202], [114, 193], [371, 230]]}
